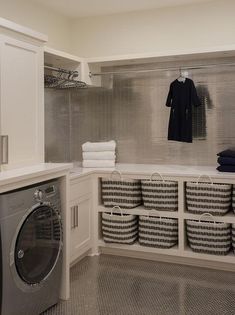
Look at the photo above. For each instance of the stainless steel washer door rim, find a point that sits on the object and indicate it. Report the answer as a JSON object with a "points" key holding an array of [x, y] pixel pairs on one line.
{"points": [[36, 246]]}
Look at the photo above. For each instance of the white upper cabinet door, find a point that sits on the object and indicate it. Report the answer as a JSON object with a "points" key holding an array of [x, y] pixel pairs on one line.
{"points": [[22, 101]]}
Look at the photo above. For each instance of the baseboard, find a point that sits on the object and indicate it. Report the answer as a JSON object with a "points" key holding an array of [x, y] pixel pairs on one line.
{"points": [[75, 261], [170, 259]]}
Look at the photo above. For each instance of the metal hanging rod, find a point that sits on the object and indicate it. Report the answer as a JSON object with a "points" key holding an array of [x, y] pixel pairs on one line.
{"points": [[63, 80], [59, 70], [197, 67]]}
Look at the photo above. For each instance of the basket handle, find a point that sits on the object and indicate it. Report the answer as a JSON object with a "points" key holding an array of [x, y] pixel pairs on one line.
{"points": [[156, 173], [116, 207], [116, 172], [206, 176], [206, 214]]}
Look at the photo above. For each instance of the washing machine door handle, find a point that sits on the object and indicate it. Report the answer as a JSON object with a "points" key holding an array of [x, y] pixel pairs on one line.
{"points": [[20, 254]]}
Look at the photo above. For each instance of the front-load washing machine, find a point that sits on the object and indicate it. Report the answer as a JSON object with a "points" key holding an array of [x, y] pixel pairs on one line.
{"points": [[31, 249]]}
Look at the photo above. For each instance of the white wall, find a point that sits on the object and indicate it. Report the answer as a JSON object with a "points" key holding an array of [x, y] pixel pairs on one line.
{"points": [[187, 28], [162, 31], [41, 19]]}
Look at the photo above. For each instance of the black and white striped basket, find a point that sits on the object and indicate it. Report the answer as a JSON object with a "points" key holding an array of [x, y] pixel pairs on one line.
{"points": [[160, 194], [119, 227], [233, 199], [233, 237], [207, 197], [125, 193], [209, 237], [158, 231]]}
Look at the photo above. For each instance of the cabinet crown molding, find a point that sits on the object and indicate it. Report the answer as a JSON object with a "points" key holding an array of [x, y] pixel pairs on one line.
{"points": [[11, 26]]}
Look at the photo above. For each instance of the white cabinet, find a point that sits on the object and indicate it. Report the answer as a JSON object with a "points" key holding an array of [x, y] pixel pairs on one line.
{"points": [[21, 100], [80, 212]]}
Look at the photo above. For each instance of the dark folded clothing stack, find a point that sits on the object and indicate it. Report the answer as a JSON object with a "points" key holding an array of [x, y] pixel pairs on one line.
{"points": [[226, 161]]}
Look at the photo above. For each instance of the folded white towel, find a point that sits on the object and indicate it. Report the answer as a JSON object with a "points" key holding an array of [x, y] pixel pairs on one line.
{"points": [[98, 163], [105, 155], [99, 146]]}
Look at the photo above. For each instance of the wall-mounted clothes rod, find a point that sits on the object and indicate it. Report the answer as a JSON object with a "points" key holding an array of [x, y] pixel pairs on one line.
{"points": [[196, 67], [63, 80], [59, 70]]}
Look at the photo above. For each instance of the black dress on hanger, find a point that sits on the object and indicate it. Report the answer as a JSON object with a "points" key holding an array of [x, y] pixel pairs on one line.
{"points": [[181, 97]]}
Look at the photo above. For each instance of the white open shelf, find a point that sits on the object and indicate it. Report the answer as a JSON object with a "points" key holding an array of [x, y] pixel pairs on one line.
{"points": [[59, 58], [166, 56], [182, 251], [141, 211], [227, 218]]}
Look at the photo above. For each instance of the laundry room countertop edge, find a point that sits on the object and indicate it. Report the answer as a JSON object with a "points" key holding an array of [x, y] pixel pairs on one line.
{"points": [[148, 169], [34, 171]]}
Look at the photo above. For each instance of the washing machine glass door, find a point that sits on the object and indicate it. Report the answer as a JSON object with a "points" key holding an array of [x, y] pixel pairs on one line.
{"points": [[38, 245]]}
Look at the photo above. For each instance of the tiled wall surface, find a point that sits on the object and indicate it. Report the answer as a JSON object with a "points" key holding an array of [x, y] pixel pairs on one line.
{"points": [[132, 111]]}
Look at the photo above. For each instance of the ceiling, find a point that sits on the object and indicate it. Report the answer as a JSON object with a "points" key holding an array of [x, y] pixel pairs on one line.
{"points": [[83, 8]]}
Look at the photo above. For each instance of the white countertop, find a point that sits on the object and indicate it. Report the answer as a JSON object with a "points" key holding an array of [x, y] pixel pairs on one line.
{"points": [[16, 175], [147, 169], [20, 174]]}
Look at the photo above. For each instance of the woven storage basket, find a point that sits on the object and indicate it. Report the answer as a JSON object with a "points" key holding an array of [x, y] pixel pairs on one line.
{"points": [[209, 237], [119, 227], [160, 194], [233, 198], [125, 193], [208, 197], [233, 237], [158, 232]]}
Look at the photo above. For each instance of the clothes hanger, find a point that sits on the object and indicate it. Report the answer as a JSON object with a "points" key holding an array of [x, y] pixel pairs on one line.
{"points": [[183, 75]]}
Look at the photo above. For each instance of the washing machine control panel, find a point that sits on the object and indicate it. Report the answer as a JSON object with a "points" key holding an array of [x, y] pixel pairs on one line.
{"points": [[50, 190], [41, 194]]}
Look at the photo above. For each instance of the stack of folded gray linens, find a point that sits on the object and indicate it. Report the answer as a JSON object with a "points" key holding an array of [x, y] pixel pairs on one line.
{"points": [[226, 161]]}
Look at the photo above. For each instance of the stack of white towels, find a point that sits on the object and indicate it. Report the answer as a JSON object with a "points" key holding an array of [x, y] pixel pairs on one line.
{"points": [[99, 154]]}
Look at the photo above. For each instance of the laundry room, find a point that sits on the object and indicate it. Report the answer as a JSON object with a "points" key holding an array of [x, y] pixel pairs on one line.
{"points": [[117, 157]]}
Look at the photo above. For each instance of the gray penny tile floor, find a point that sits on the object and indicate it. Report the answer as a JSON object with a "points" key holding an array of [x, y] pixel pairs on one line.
{"points": [[113, 285]]}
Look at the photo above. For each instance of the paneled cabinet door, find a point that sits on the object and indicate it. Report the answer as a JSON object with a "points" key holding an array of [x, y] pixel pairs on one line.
{"points": [[21, 102], [80, 226]]}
